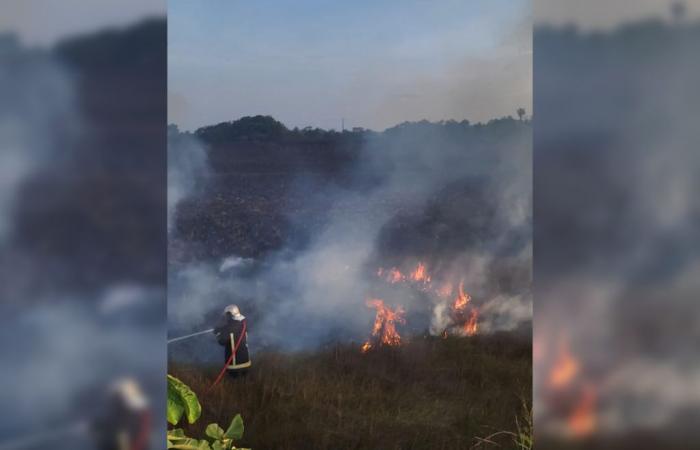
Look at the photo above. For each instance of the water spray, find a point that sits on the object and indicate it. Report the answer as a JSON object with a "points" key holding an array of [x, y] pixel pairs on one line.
{"points": [[182, 338]]}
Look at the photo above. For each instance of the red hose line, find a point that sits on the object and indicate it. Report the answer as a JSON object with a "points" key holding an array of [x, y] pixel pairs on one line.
{"points": [[144, 432], [233, 353]]}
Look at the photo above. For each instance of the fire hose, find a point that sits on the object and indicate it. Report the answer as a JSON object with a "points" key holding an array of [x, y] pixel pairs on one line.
{"points": [[230, 359], [141, 442], [79, 428]]}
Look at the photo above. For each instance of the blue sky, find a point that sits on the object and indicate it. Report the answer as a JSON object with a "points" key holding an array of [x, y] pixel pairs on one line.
{"points": [[375, 63]]}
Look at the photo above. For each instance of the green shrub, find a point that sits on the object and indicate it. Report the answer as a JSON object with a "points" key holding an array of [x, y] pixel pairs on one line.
{"points": [[182, 401]]}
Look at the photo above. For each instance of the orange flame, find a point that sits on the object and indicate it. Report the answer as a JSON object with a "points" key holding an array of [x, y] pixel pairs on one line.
{"points": [[462, 298], [459, 306], [582, 420], [565, 368], [420, 274], [566, 375], [384, 328], [394, 276], [465, 317], [471, 326]]}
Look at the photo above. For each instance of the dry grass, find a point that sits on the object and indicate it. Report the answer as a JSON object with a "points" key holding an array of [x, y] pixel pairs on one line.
{"points": [[428, 394]]}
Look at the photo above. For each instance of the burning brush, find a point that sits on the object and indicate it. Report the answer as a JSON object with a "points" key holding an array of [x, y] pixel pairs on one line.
{"points": [[384, 329], [463, 319], [464, 313], [571, 396], [418, 276]]}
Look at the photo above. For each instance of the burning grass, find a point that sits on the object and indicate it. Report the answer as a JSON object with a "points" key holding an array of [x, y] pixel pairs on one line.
{"points": [[429, 393], [384, 328]]}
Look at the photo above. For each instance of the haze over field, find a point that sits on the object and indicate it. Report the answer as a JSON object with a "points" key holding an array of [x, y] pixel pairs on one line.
{"points": [[606, 14], [82, 241]]}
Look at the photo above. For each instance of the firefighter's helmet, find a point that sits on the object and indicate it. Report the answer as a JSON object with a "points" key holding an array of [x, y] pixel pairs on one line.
{"points": [[234, 311]]}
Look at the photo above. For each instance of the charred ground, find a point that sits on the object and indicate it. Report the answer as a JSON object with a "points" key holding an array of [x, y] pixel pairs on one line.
{"points": [[268, 185]]}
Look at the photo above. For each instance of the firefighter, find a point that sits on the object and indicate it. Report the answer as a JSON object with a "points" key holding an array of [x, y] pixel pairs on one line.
{"points": [[124, 423], [232, 333]]}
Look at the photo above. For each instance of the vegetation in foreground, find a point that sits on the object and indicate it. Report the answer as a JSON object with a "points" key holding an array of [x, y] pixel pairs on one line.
{"points": [[183, 404], [430, 393]]}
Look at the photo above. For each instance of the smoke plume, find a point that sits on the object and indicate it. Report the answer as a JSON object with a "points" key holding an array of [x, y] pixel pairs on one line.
{"points": [[453, 196]]}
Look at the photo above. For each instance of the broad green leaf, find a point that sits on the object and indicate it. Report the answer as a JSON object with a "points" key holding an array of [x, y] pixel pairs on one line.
{"points": [[214, 431], [176, 434], [187, 399], [186, 446], [235, 430], [175, 406], [191, 444], [216, 445], [177, 440]]}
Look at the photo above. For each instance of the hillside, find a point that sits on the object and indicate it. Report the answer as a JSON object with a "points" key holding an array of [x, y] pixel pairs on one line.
{"points": [[270, 187]]}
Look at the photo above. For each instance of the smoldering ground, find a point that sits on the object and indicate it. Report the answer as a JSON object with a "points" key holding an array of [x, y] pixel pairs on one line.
{"points": [[453, 195]]}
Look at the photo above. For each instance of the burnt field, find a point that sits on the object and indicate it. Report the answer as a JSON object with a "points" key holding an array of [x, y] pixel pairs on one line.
{"points": [[252, 187], [430, 393]]}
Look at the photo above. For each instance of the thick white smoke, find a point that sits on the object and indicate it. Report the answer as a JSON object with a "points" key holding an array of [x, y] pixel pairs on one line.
{"points": [[617, 225], [38, 114], [187, 168], [62, 352], [62, 346]]}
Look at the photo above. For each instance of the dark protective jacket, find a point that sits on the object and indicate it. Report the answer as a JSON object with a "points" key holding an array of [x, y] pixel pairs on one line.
{"points": [[119, 426], [227, 334]]}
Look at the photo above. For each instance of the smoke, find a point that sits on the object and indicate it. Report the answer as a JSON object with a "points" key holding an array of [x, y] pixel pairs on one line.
{"points": [[187, 168], [38, 94], [62, 353], [234, 262], [607, 14], [617, 222], [453, 195], [75, 312]]}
